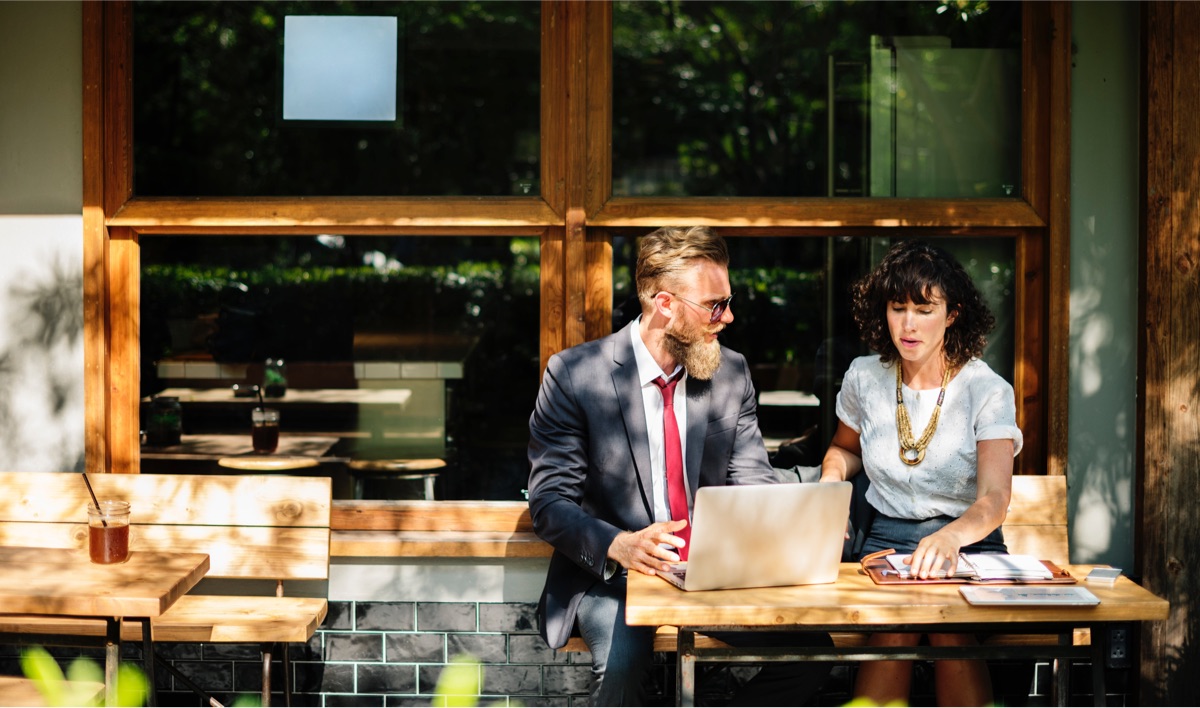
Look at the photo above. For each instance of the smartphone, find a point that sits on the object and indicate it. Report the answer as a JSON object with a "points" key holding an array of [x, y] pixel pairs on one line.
{"points": [[1103, 575]]}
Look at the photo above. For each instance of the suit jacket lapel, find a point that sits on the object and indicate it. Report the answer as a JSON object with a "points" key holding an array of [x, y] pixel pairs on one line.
{"points": [[629, 394], [699, 404]]}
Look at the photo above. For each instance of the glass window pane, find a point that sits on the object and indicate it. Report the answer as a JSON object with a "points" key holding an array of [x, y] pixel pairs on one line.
{"points": [[209, 117], [816, 99], [792, 322], [448, 324]]}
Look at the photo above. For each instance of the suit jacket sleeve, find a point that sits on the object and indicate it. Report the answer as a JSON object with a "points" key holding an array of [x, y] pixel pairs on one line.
{"points": [[559, 503], [748, 463]]}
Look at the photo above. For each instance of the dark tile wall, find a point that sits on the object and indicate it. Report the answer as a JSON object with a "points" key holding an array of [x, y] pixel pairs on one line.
{"points": [[393, 653]]}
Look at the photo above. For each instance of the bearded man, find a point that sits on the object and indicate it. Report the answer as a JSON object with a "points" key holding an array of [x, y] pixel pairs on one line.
{"points": [[613, 419]]}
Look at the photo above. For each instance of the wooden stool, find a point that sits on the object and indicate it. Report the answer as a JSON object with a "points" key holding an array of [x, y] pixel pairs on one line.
{"points": [[421, 469], [267, 463]]}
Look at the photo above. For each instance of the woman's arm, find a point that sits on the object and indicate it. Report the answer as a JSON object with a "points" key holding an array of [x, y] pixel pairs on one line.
{"points": [[994, 480], [843, 459]]}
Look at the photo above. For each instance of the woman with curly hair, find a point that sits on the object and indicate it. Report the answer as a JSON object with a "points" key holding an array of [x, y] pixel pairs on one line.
{"points": [[934, 429]]}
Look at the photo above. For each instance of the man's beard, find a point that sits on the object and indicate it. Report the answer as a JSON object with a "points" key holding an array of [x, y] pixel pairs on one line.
{"points": [[687, 346]]}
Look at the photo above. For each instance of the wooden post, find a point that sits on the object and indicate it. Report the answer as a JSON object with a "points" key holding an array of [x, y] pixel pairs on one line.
{"points": [[1169, 390]]}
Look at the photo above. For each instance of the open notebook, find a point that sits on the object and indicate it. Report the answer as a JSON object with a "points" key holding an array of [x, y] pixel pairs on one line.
{"points": [[765, 535], [983, 566]]}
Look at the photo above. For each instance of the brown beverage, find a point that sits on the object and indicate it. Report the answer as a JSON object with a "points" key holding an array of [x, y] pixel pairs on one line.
{"points": [[108, 531], [264, 430], [265, 437], [109, 544]]}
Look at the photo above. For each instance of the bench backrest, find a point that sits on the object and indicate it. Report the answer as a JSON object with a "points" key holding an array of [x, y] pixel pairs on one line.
{"points": [[1037, 517], [270, 527]]}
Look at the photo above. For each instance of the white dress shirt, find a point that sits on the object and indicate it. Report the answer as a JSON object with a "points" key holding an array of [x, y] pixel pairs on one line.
{"points": [[652, 401]]}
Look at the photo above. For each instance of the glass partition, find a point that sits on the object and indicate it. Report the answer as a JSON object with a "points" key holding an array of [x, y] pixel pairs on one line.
{"points": [[387, 347], [816, 99], [792, 322], [208, 106]]}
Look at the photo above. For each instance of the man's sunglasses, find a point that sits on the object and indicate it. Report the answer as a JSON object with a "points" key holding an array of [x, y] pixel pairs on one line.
{"points": [[716, 312]]}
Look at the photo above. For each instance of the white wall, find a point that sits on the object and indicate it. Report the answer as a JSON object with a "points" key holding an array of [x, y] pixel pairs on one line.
{"points": [[41, 236], [1104, 282]]}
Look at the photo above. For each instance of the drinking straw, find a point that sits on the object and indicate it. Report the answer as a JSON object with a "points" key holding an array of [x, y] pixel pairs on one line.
{"points": [[95, 501]]}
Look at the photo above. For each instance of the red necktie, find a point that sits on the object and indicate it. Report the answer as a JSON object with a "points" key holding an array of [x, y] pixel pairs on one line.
{"points": [[676, 492]]}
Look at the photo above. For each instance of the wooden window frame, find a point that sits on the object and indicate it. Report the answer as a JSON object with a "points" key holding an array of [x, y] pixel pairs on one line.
{"points": [[573, 216]]}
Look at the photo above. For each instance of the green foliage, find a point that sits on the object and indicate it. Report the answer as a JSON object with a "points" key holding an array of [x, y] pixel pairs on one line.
{"points": [[733, 98], [38, 665], [460, 682]]}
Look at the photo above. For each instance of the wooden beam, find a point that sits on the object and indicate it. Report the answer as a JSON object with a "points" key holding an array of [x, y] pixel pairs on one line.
{"points": [[124, 303], [765, 212], [95, 246], [1169, 393], [1057, 309], [336, 214]]}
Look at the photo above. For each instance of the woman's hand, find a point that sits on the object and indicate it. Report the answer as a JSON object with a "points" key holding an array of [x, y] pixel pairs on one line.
{"points": [[937, 550]]}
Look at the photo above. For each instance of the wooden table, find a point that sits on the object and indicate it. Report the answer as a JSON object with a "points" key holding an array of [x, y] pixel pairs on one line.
{"points": [[215, 447], [856, 604], [64, 582], [358, 396]]}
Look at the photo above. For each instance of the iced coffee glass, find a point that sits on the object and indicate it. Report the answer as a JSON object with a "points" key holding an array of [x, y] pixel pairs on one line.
{"points": [[108, 531], [264, 430]]}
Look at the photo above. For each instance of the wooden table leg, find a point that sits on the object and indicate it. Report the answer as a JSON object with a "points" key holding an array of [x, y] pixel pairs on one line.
{"points": [[148, 661], [685, 682], [112, 659]]}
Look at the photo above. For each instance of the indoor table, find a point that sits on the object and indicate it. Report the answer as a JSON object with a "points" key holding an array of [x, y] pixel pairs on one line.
{"points": [[58, 582], [210, 447], [854, 603]]}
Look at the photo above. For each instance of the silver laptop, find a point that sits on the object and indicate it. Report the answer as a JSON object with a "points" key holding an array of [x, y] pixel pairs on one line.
{"points": [[765, 535]]}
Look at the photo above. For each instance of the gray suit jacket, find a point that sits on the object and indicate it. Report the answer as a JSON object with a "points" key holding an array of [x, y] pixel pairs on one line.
{"points": [[590, 459]]}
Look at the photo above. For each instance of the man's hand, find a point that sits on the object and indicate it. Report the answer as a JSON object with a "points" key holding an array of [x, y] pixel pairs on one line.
{"points": [[641, 550]]}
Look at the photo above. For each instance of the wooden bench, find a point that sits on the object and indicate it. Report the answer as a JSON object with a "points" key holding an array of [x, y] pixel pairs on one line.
{"points": [[15, 691], [262, 529]]}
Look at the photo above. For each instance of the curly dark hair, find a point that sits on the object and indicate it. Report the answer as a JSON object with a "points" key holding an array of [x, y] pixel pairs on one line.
{"points": [[911, 270]]}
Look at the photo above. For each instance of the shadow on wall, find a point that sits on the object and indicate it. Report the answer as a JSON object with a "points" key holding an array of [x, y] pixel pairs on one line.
{"points": [[41, 368], [1103, 365]]}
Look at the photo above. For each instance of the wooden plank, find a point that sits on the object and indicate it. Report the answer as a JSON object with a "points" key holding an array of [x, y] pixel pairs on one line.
{"points": [[1057, 308], [855, 601], [124, 345], [15, 691], [765, 212], [1038, 500], [1170, 397], [218, 500], [553, 305], [118, 105], [419, 515], [252, 552], [598, 47], [1037, 33], [552, 154], [233, 214], [198, 618], [438, 544], [65, 582], [599, 284], [95, 246]]}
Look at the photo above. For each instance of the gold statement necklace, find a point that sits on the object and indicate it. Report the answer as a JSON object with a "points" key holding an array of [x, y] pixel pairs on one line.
{"points": [[913, 451]]}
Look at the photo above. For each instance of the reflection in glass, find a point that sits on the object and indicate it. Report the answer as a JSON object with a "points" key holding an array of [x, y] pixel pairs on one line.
{"points": [[209, 120], [792, 322], [816, 99], [451, 321]]}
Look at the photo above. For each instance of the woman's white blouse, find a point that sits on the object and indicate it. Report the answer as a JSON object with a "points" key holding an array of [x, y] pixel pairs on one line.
{"points": [[979, 405]]}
